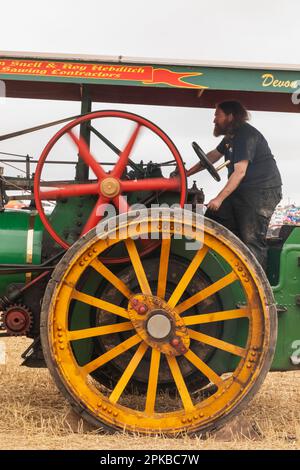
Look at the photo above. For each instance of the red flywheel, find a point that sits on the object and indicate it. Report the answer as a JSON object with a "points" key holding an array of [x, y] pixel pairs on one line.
{"points": [[110, 187]]}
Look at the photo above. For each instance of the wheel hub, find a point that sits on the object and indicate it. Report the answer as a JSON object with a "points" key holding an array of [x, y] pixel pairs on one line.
{"points": [[159, 325], [110, 187], [111, 294]]}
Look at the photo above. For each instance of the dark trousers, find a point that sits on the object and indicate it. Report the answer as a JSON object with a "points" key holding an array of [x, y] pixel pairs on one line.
{"points": [[247, 213]]}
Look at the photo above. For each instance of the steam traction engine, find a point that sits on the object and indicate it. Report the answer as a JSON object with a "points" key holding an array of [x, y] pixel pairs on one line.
{"points": [[140, 333]]}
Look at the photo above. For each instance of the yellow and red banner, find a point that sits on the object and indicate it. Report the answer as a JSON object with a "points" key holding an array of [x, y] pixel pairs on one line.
{"points": [[145, 74]]}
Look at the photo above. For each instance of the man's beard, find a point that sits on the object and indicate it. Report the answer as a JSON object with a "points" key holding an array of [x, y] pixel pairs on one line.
{"points": [[220, 130]]}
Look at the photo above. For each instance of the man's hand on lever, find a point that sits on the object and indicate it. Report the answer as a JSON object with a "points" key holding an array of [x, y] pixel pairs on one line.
{"points": [[234, 181], [214, 204]]}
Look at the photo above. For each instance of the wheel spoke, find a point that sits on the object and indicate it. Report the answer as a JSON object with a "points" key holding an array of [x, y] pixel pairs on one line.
{"points": [[115, 149], [119, 169], [87, 157], [207, 292], [102, 304], [180, 384], [153, 381], [207, 371], [163, 267], [128, 373], [121, 203], [217, 316], [104, 140], [99, 331], [187, 277], [69, 191], [109, 355], [151, 184], [138, 267], [217, 343], [96, 214], [111, 277]]}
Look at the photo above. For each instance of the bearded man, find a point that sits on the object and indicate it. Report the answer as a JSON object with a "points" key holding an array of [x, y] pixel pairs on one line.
{"points": [[246, 204]]}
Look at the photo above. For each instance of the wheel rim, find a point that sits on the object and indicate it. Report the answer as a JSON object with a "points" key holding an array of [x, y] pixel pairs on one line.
{"points": [[189, 412], [110, 186]]}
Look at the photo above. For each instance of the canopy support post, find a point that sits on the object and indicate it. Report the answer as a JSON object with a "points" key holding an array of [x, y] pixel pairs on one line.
{"points": [[82, 170]]}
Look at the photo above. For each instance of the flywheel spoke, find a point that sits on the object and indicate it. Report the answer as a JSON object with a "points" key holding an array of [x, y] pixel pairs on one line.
{"points": [[119, 168], [207, 292], [180, 384], [87, 157], [99, 331], [69, 191], [121, 204], [96, 214], [128, 373], [187, 277], [102, 304], [151, 184], [111, 354], [217, 343]]}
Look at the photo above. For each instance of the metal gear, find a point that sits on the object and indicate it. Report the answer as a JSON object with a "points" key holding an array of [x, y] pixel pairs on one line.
{"points": [[17, 320]]}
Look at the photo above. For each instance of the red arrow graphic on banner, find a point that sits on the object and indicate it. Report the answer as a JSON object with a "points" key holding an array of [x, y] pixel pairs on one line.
{"points": [[173, 78]]}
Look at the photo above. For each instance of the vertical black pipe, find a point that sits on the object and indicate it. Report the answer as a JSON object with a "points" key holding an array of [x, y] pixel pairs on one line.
{"points": [[82, 170], [2, 194]]}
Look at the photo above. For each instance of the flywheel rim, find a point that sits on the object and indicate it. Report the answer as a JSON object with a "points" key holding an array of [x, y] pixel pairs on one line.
{"points": [[111, 188], [231, 394]]}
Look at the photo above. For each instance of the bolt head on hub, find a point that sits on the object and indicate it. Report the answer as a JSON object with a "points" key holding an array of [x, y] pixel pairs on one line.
{"points": [[110, 187], [175, 342], [143, 309]]}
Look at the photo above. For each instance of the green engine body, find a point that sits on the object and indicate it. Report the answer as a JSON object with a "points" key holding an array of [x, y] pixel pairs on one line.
{"points": [[21, 235], [284, 276]]}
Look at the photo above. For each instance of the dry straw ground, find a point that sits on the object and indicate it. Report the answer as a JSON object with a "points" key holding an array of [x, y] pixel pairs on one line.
{"points": [[34, 415]]}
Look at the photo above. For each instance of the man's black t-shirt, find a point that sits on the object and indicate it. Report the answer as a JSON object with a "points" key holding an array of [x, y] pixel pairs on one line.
{"points": [[247, 143]]}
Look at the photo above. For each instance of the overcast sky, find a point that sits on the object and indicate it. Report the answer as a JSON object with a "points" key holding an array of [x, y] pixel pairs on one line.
{"points": [[255, 31]]}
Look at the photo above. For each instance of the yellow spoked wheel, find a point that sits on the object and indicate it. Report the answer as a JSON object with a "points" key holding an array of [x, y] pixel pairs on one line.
{"points": [[152, 348]]}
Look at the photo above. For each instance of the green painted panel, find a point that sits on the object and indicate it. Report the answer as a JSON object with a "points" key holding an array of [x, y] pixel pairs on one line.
{"points": [[70, 215], [146, 75], [15, 242], [286, 292]]}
